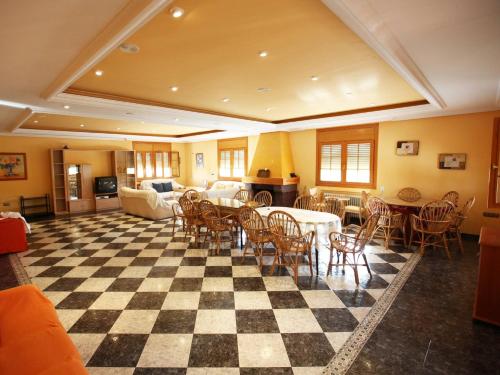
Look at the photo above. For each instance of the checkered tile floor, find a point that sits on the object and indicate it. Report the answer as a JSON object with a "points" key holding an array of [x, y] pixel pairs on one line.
{"points": [[137, 300]]}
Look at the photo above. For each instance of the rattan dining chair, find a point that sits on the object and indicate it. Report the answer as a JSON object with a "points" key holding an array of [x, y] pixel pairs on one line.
{"points": [[431, 225], [192, 218], [192, 195], [409, 194], [305, 202], [389, 221], [455, 229], [334, 206], [352, 245], [264, 198], [256, 230], [216, 224], [451, 196], [291, 244], [242, 195], [178, 215]]}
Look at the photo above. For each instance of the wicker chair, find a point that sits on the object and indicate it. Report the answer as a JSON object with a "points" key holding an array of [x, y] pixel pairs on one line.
{"points": [[192, 217], [216, 225], [389, 221], [264, 198], [431, 225], [353, 245], [178, 215], [455, 229], [409, 194], [451, 196], [334, 206], [242, 195], [305, 202], [192, 195], [256, 230], [290, 243]]}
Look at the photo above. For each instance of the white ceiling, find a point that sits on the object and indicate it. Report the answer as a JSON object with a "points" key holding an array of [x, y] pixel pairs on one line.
{"points": [[448, 50]]}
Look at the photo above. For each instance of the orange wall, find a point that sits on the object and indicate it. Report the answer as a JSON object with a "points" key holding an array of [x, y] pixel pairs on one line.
{"points": [[470, 134]]}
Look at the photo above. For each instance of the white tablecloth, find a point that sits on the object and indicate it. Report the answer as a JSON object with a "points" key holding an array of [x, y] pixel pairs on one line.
{"points": [[323, 223]]}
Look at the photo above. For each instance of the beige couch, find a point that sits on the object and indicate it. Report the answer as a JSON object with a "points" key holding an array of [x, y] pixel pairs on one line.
{"points": [[145, 203], [175, 194], [224, 189]]}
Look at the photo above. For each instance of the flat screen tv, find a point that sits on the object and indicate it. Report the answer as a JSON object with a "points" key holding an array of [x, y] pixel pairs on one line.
{"points": [[106, 185]]}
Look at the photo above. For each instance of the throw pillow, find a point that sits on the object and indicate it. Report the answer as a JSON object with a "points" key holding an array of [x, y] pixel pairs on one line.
{"points": [[167, 186], [158, 187]]}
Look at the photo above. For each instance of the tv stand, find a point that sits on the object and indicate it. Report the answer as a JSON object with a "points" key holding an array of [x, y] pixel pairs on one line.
{"points": [[107, 201]]}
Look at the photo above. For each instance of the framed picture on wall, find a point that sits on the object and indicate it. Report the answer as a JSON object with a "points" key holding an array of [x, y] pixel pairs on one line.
{"points": [[452, 161], [13, 166], [407, 148], [199, 160]]}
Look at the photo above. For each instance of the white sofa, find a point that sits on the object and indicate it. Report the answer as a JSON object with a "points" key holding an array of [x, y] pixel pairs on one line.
{"points": [[224, 189], [145, 203], [175, 194]]}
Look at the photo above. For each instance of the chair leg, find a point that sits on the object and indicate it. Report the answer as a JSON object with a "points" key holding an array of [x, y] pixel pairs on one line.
{"points": [[422, 243], [260, 248], [344, 256], [387, 235], [296, 269], [173, 226], [459, 240], [330, 265], [244, 251], [367, 266], [310, 262], [276, 255], [445, 241]]}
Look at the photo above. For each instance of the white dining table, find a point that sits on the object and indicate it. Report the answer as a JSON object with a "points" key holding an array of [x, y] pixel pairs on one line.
{"points": [[323, 223]]}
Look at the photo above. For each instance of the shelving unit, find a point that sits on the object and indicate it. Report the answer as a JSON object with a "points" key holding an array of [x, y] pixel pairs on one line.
{"points": [[123, 163], [59, 195], [35, 207]]}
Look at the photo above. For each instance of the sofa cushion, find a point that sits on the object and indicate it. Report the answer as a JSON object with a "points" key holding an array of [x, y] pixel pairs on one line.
{"points": [[167, 186], [158, 187]]}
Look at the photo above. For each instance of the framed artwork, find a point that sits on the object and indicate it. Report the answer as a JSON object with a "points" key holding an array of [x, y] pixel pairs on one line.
{"points": [[407, 148], [452, 161], [199, 160], [13, 166]]}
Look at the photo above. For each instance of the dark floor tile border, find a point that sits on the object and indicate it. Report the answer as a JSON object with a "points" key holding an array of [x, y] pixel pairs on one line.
{"points": [[21, 274], [345, 357]]}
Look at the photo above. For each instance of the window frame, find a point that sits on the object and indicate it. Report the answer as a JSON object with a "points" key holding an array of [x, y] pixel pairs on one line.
{"points": [[231, 162], [495, 160], [344, 142], [153, 162]]}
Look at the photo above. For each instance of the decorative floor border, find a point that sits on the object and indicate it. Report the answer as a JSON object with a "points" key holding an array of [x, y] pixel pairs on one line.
{"points": [[21, 275], [345, 357]]}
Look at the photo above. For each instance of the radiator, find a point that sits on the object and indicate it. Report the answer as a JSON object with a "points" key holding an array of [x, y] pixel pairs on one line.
{"points": [[354, 200]]}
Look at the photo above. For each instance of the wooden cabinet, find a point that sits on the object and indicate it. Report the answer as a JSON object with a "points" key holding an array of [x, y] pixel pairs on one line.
{"points": [[487, 303], [59, 198], [79, 183], [112, 202]]}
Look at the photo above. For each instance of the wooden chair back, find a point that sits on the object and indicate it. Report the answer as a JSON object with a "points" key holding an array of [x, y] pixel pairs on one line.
{"points": [[409, 194], [283, 224], [367, 231], [377, 206], [189, 209], [252, 222], [264, 197], [436, 216], [334, 206], [192, 195], [451, 196], [305, 202], [242, 195], [467, 206]]}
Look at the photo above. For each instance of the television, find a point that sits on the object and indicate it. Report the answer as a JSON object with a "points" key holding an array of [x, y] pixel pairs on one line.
{"points": [[106, 185]]}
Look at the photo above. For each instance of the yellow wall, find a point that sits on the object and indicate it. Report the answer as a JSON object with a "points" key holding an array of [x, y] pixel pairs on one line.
{"points": [[272, 152], [38, 163], [470, 134]]}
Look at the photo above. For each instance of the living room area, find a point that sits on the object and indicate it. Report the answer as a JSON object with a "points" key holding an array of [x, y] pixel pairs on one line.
{"points": [[278, 187]]}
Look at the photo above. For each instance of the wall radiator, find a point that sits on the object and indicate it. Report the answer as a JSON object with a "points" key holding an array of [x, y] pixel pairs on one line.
{"points": [[354, 200]]}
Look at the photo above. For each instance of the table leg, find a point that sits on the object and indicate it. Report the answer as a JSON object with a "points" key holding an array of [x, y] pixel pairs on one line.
{"points": [[316, 245]]}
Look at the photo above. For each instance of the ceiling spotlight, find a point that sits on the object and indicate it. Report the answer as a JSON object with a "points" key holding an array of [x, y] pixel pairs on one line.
{"points": [[82, 125], [263, 53], [263, 89], [314, 78], [348, 93], [118, 128], [174, 88], [36, 121], [225, 100], [99, 73], [66, 107], [269, 109], [129, 48], [176, 119], [177, 12]]}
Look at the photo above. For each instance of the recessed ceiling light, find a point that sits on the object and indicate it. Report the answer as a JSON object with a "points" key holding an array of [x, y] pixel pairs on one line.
{"points": [[176, 119], [142, 122], [348, 93], [129, 113], [372, 104], [177, 12], [36, 121], [269, 109], [263, 53], [129, 48], [225, 100], [174, 88], [263, 89], [82, 125], [99, 73], [314, 78], [118, 128], [66, 107]]}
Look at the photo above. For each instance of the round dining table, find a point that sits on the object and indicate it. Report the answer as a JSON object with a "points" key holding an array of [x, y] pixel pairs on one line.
{"points": [[323, 223]]}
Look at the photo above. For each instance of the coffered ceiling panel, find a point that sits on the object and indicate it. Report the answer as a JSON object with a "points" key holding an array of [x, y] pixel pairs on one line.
{"points": [[209, 60]]}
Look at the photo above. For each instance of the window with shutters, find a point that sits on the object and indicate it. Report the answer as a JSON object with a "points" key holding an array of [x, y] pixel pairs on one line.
{"points": [[232, 155], [155, 160], [347, 156]]}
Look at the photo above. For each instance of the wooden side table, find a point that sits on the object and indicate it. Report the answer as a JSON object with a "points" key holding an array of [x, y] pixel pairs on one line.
{"points": [[487, 302]]}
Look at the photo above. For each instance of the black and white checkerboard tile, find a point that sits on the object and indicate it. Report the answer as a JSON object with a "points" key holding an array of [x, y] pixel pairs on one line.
{"points": [[136, 299]]}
